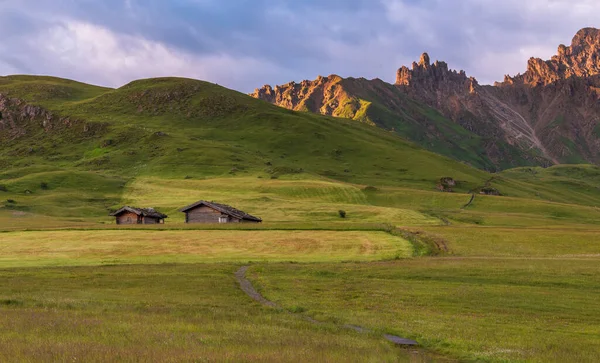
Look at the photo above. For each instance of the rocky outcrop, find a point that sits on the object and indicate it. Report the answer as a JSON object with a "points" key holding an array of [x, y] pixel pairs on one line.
{"points": [[19, 119], [581, 59], [507, 136], [434, 76], [324, 95]]}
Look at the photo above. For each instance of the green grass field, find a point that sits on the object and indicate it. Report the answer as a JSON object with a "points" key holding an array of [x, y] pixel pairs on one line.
{"points": [[166, 313], [471, 309], [501, 279]]}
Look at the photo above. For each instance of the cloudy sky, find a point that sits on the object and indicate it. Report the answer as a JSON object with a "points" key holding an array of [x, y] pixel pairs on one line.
{"points": [[243, 44]]}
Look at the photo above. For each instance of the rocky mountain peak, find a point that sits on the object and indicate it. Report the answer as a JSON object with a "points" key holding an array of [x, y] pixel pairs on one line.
{"points": [[266, 93], [425, 75], [580, 59], [424, 61]]}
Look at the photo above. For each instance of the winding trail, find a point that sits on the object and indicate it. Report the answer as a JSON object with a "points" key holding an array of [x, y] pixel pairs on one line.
{"points": [[248, 288]]}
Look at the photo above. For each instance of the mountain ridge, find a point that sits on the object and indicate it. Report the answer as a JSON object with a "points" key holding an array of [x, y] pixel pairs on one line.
{"points": [[548, 115]]}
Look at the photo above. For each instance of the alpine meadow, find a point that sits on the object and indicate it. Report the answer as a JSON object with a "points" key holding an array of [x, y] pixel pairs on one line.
{"points": [[374, 243]]}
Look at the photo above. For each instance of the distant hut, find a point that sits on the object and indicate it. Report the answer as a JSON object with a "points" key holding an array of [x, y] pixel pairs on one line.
{"points": [[131, 215], [210, 212]]}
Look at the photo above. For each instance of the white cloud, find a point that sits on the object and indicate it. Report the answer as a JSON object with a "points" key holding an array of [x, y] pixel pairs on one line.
{"points": [[253, 43], [92, 53], [490, 38]]}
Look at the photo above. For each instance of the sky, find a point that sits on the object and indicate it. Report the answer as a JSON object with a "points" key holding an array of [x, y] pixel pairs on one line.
{"points": [[244, 44]]}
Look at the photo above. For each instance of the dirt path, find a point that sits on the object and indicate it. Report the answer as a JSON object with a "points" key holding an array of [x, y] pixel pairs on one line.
{"points": [[470, 202], [246, 286]]}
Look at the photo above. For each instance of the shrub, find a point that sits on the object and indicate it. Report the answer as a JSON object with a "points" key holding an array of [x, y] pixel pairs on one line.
{"points": [[342, 213], [11, 201], [297, 309], [44, 186], [3, 188], [370, 188]]}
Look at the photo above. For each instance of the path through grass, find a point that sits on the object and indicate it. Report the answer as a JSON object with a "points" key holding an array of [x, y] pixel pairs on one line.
{"points": [[473, 309], [163, 313]]}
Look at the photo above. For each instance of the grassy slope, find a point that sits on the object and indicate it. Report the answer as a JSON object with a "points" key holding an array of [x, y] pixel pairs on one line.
{"points": [[176, 128], [529, 256], [211, 130], [417, 122], [206, 131]]}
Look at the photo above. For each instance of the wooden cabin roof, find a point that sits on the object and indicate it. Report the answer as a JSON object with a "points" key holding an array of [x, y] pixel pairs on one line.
{"points": [[223, 208], [145, 212]]}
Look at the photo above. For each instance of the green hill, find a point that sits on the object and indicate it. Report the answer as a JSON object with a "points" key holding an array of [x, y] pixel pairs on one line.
{"points": [[178, 128], [73, 149]]}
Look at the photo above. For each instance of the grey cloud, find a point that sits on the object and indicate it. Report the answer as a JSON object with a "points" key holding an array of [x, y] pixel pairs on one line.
{"points": [[275, 42]]}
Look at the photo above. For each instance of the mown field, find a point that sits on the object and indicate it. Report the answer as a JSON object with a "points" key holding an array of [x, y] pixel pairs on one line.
{"points": [[192, 246]]}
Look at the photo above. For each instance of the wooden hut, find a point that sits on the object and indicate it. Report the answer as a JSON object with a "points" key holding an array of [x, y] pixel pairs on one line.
{"points": [[131, 215], [210, 212]]}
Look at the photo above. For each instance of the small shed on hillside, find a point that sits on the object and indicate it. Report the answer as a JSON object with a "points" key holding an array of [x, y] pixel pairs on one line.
{"points": [[211, 212], [132, 215]]}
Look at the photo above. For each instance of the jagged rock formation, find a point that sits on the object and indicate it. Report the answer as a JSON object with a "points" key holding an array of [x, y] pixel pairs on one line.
{"points": [[434, 75], [581, 59], [548, 115], [475, 108], [325, 95]]}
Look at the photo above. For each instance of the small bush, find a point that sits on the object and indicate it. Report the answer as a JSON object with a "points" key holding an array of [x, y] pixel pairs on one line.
{"points": [[11, 201], [3, 188], [370, 188], [342, 213], [11, 302], [297, 309], [44, 186]]}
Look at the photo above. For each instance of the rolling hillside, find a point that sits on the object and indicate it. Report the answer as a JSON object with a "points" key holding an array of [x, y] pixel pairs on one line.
{"points": [[60, 134], [76, 150]]}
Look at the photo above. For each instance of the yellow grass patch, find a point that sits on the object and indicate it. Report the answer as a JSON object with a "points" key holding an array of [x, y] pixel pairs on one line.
{"points": [[272, 200], [49, 248]]}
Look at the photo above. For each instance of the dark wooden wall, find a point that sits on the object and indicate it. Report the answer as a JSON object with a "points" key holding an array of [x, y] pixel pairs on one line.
{"points": [[204, 214], [127, 218], [150, 220]]}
